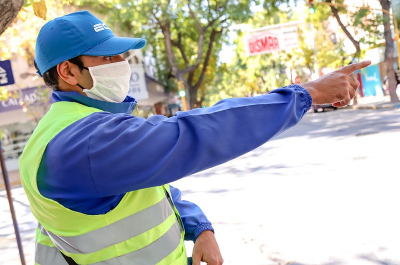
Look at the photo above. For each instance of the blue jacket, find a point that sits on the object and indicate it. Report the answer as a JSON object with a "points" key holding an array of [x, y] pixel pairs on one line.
{"points": [[91, 164]]}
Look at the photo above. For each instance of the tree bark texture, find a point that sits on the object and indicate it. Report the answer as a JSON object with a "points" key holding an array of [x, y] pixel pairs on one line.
{"points": [[356, 44], [186, 74], [389, 58], [194, 88], [8, 12], [335, 13]]}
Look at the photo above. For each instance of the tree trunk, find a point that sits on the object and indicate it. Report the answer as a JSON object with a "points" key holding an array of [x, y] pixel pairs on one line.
{"points": [[389, 52], [391, 79], [8, 12], [192, 96]]}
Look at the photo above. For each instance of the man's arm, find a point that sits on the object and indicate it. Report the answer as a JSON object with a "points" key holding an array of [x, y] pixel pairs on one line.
{"points": [[121, 153], [160, 150], [198, 229], [193, 218], [107, 154]]}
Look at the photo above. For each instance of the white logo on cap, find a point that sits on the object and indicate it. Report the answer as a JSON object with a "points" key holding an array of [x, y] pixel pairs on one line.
{"points": [[100, 27]]}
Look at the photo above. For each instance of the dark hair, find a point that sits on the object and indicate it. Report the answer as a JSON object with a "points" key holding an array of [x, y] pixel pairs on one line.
{"points": [[51, 76]]}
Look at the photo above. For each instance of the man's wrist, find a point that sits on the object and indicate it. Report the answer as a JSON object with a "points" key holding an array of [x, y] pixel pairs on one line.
{"points": [[309, 86], [200, 228]]}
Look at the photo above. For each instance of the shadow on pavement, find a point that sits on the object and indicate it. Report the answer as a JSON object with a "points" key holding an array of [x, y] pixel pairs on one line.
{"points": [[375, 260], [345, 123], [210, 191]]}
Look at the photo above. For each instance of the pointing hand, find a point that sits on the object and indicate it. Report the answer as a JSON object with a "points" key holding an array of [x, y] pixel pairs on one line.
{"points": [[337, 87]]}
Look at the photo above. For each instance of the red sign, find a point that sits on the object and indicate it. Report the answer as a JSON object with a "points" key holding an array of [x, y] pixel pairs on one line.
{"points": [[263, 43], [272, 39]]}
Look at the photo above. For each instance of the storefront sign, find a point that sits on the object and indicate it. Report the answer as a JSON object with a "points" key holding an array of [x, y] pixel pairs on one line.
{"points": [[272, 39], [6, 74], [263, 43], [371, 81], [137, 84], [18, 97]]}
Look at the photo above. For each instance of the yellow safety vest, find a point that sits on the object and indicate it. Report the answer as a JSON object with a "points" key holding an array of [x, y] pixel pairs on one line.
{"points": [[144, 228]]}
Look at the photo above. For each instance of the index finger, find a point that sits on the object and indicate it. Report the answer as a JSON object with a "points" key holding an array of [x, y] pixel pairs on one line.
{"points": [[349, 69]]}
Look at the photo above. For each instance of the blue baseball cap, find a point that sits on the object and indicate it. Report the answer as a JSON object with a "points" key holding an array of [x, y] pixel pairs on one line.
{"points": [[78, 33]]}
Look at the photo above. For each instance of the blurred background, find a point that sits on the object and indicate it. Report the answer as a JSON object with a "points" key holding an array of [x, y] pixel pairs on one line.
{"points": [[201, 51]]}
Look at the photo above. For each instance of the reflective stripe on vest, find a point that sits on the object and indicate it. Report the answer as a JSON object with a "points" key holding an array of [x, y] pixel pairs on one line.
{"points": [[144, 228], [48, 255], [151, 254], [114, 233]]}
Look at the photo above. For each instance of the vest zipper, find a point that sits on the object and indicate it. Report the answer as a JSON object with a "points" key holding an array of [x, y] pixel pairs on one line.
{"points": [[173, 208]]}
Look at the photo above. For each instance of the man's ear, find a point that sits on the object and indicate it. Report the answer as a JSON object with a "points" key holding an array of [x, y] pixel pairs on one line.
{"points": [[68, 72]]}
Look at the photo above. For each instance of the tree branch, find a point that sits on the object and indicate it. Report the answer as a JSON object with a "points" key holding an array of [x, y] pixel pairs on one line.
{"points": [[209, 10], [198, 25], [202, 96], [157, 19], [208, 56], [166, 30], [190, 78], [201, 37], [211, 23], [348, 34], [179, 45]]}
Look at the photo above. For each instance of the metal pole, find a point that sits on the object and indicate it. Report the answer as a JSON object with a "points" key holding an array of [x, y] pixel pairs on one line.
{"points": [[316, 72], [181, 87], [10, 202]]}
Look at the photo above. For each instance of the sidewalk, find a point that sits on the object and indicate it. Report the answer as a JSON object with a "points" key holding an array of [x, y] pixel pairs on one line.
{"points": [[13, 178], [375, 102], [27, 226]]}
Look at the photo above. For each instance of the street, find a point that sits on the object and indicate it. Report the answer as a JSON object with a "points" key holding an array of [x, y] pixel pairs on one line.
{"points": [[324, 192]]}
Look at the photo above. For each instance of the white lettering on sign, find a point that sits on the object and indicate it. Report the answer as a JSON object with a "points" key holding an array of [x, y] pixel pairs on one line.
{"points": [[266, 43], [273, 40], [3, 76], [137, 83], [10, 102], [29, 98], [371, 77]]}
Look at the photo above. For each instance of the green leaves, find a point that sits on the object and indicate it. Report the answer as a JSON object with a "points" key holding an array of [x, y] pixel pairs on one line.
{"points": [[185, 36], [359, 16], [28, 3]]}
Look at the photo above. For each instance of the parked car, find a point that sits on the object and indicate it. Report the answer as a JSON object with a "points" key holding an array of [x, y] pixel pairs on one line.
{"points": [[316, 108]]}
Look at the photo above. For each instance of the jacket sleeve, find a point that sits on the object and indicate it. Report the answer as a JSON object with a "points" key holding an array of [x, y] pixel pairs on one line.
{"points": [[123, 153], [193, 218]]}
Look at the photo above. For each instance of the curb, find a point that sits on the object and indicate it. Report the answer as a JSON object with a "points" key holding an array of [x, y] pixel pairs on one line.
{"points": [[376, 106]]}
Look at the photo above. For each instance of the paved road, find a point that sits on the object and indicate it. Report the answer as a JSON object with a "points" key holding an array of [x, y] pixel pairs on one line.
{"points": [[324, 192]]}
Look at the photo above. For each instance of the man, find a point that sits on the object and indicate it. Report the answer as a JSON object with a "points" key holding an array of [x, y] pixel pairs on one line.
{"points": [[97, 177]]}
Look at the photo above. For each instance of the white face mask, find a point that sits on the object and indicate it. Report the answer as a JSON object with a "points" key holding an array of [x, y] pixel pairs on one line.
{"points": [[110, 82]]}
